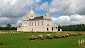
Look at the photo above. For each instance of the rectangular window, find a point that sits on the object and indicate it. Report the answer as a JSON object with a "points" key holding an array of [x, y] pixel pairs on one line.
{"points": [[38, 23], [32, 23], [42, 22], [35, 23]]}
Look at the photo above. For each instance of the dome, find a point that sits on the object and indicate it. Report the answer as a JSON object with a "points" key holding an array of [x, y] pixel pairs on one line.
{"points": [[31, 12]]}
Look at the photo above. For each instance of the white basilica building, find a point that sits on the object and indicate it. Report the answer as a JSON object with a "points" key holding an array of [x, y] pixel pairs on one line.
{"points": [[32, 22]]}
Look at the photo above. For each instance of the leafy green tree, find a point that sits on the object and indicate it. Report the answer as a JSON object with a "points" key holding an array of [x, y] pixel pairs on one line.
{"points": [[8, 25]]}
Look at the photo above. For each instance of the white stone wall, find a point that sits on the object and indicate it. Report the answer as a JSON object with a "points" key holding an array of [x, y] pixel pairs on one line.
{"points": [[47, 24], [39, 27], [55, 28]]}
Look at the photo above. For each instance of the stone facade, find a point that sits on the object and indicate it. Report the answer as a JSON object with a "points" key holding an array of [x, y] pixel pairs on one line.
{"points": [[32, 22], [55, 27]]}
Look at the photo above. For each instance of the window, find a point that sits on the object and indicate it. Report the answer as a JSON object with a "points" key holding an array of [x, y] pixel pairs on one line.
{"points": [[32, 23], [38, 23], [35, 23], [56, 27], [42, 22]]}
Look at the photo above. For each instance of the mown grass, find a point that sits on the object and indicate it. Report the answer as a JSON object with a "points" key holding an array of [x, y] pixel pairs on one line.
{"points": [[21, 40]]}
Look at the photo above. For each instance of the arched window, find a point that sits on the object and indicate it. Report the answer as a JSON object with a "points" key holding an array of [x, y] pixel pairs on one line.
{"points": [[56, 27]]}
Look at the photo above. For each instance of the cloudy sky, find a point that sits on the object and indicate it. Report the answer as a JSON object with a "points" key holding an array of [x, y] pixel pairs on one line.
{"points": [[63, 12]]}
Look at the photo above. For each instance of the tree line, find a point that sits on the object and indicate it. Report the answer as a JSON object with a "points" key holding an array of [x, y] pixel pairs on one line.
{"points": [[79, 27], [8, 27]]}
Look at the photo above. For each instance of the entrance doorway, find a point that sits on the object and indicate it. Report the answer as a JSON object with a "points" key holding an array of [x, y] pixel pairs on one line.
{"points": [[47, 29], [52, 28]]}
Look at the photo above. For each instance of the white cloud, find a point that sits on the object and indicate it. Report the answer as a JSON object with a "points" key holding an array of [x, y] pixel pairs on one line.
{"points": [[69, 20], [43, 6], [67, 7], [19, 22], [4, 20], [11, 11], [37, 1], [13, 21], [16, 8]]}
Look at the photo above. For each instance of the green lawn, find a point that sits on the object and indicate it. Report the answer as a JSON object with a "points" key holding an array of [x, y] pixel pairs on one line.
{"points": [[21, 40]]}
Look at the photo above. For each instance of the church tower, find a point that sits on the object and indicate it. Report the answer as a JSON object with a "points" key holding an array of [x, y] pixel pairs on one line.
{"points": [[47, 12], [47, 15], [31, 10]]}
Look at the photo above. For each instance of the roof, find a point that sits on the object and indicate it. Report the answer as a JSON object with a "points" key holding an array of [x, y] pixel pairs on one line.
{"points": [[37, 18]]}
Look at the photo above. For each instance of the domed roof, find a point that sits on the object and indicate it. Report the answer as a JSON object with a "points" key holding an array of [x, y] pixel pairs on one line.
{"points": [[31, 12]]}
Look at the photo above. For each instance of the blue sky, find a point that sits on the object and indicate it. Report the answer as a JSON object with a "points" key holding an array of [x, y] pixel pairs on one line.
{"points": [[63, 12], [43, 12], [49, 1]]}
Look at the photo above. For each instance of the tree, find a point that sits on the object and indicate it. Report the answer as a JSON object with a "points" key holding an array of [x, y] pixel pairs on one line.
{"points": [[8, 25]]}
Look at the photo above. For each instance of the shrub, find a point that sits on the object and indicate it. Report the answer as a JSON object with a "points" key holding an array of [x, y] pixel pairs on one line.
{"points": [[40, 37], [78, 33], [72, 34], [55, 36], [49, 36], [62, 35], [1, 43], [32, 37], [67, 35], [58, 36]]}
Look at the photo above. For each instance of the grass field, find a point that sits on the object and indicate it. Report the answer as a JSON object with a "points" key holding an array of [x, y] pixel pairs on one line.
{"points": [[21, 40]]}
